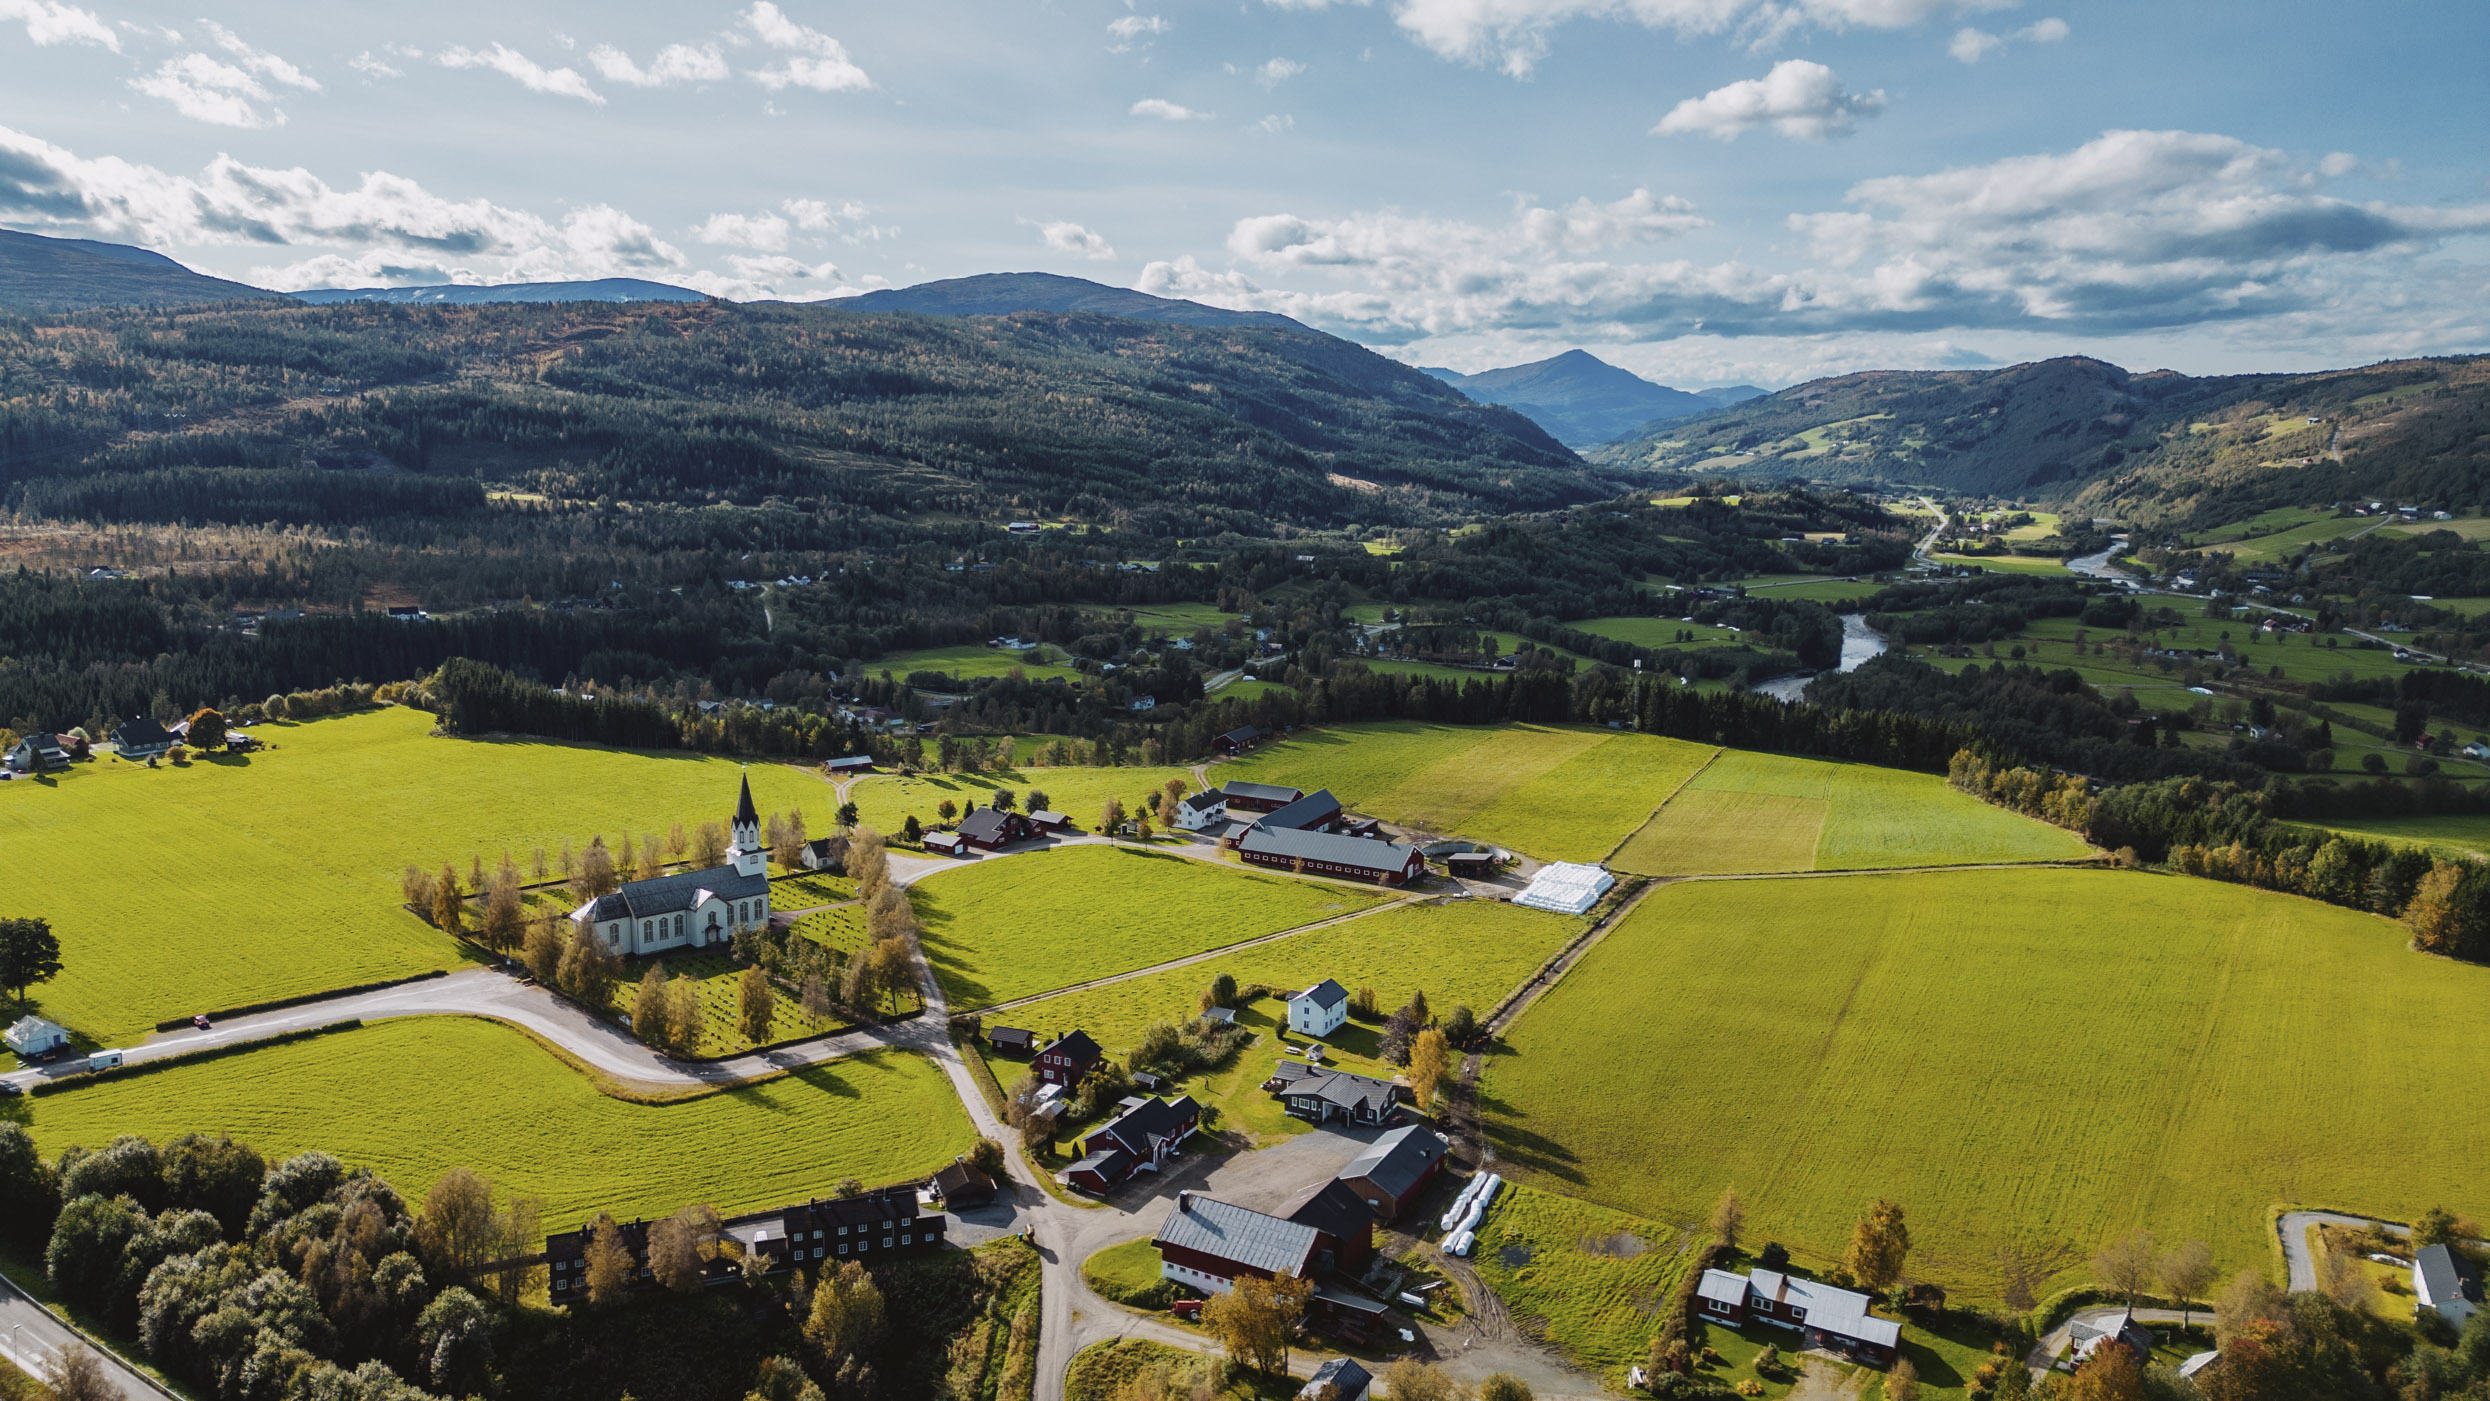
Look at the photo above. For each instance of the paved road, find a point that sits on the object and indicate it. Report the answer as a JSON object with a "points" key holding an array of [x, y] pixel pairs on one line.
{"points": [[30, 1335], [2293, 1227]]}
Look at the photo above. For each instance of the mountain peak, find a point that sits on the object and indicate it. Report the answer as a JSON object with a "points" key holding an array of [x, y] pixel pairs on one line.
{"points": [[1006, 293], [40, 273], [1580, 398]]}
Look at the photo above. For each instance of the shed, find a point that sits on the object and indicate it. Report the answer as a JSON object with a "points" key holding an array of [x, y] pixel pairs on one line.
{"points": [[1013, 1040], [963, 1184], [944, 843], [33, 1036], [1338, 1379]]}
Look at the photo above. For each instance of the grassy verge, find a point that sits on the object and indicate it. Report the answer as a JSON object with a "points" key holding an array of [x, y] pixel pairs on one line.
{"points": [[1098, 1370], [1128, 1274]]}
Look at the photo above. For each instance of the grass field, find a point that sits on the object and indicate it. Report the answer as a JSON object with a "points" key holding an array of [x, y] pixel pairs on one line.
{"points": [[996, 930], [1749, 812], [720, 988], [248, 877], [1660, 632], [2146, 1050], [412, 1098], [1559, 794], [1585, 1277], [1463, 952], [1121, 1271], [2008, 564], [2452, 838], [884, 801], [974, 660]]}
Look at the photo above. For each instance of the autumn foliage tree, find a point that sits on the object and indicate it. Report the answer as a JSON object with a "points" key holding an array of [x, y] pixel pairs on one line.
{"points": [[1255, 1320], [1878, 1246]]}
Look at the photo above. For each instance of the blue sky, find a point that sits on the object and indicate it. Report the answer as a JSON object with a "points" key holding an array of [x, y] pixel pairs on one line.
{"points": [[1705, 191]]}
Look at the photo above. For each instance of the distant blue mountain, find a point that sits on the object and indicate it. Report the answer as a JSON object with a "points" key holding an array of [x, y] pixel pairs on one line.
{"points": [[1734, 394], [1579, 398], [41, 273], [606, 289], [1003, 293]]}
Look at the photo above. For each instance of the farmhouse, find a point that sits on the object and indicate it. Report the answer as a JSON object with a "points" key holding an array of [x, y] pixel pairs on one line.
{"points": [[1395, 1169], [1237, 741], [1321, 1096], [688, 909], [1825, 1316], [2091, 1335], [963, 1185], [1012, 1040], [868, 1226], [1338, 1379], [1068, 1059], [1319, 1010], [1144, 1134], [141, 738], [1206, 1244], [38, 753], [1318, 811], [825, 854], [990, 829], [2444, 1280], [1197, 812], [1328, 854], [1258, 797]]}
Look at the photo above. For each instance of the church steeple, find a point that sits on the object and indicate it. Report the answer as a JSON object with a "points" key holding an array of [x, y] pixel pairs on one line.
{"points": [[746, 854]]}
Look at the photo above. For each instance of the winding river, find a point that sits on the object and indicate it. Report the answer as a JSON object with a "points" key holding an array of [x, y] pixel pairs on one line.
{"points": [[1859, 642]]}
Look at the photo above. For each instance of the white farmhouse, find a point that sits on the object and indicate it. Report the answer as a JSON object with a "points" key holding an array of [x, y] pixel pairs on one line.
{"points": [[1197, 812], [1319, 1010], [689, 909]]}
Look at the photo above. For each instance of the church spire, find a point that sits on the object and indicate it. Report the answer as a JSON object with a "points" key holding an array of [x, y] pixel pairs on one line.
{"points": [[745, 814]]}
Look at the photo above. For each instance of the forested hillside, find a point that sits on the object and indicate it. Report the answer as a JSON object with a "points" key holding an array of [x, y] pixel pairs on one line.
{"points": [[2153, 449], [39, 274], [230, 414]]}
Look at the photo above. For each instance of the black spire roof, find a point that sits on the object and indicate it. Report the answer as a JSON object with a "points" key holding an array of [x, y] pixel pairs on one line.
{"points": [[744, 812]]}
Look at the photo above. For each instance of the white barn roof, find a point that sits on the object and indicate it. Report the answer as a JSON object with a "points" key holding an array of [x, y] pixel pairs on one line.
{"points": [[1566, 887]]}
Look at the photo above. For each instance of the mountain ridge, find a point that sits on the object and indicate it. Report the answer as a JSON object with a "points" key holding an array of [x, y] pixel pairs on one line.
{"points": [[1010, 293], [602, 289], [1582, 400], [40, 273]]}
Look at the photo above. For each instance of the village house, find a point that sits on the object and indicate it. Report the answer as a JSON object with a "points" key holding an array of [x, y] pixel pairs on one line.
{"points": [[1199, 812], [992, 829], [141, 738], [38, 754], [1044, 820], [2444, 1280], [825, 854], [1826, 1317], [870, 1226], [688, 909], [1322, 1096], [1338, 1379], [963, 1185], [1319, 1010], [35, 1039], [1395, 1169], [1206, 1245], [1012, 1040], [2091, 1335], [945, 843], [1068, 1059], [1237, 741], [1144, 1134], [852, 764]]}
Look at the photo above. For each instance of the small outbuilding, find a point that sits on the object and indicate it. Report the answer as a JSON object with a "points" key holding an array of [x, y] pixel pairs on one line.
{"points": [[1012, 1040], [34, 1038], [963, 1185], [1338, 1379]]}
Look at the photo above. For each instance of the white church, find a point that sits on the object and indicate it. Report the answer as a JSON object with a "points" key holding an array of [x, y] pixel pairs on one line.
{"points": [[689, 909]]}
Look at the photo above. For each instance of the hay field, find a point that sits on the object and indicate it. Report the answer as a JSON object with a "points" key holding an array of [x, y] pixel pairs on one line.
{"points": [[2063, 1053], [1557, 793], [2448, 838], [412, 1098], [1000, 929], [884, 801], [1765, 813], [248, 877]]}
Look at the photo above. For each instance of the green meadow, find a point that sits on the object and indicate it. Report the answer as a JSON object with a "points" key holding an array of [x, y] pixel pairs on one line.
{"points": [[2051, 1054], [243, 878], [974, 660], [1559, 793], [411, 1099], [884, 801], [1748, 812], [997, 930], [1458, 952], [2448, 838]]}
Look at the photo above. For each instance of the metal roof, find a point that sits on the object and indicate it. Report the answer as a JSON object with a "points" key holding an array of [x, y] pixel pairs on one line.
{"points": [[1399, 1160], [1326, 994], [1264, 792], [1318, 806], [2439, 1276], [1364, 853], [1236, 1234], [666, 895]]}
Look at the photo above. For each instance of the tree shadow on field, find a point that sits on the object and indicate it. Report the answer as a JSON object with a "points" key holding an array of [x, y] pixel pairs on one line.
{"points": [[1499, 1119]]}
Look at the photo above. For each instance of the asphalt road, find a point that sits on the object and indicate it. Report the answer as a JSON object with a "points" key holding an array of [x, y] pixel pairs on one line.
{"points": [[30, 1336]]}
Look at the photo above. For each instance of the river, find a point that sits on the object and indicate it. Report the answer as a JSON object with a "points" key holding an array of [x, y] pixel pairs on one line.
{"points": [[2098, 566], [1859, 642]]}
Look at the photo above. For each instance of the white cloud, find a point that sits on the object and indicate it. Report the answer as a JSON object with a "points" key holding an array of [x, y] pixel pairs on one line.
{"points": [[372, 67], [1277, 71], [50, 22], [675, 63], [2133, 234], [813, 59], [773, 278], [1514, 33], [1131, 31], [205, 90], [766, 232], [1971, 45], [1274, 124], [1167, 111], [1064, 236], [260, 61], [1801, 99], [529, 74]]}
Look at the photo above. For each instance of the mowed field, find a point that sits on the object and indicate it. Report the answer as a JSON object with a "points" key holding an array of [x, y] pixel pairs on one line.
{"points": [[1458, 952], [2051, 1053], [411, 1099], [1748, 813], [242, 878], [1555, 793], [1000, 929], [2449, 838]]}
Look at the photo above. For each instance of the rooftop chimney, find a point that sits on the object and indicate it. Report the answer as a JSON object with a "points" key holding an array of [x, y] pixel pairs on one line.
{"points": [[1184, 1201]]}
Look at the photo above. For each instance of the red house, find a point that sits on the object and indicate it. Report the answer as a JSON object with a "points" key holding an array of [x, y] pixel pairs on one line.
{"points": [[1067, 1059], [1258, 797], [988, 829]]}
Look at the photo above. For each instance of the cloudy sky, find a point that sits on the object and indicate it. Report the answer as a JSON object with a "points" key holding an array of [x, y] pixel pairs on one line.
{"points": [[1705, 191]]}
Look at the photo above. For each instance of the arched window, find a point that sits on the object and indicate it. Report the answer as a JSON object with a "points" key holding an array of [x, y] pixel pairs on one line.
{"points": [[678, 926]]}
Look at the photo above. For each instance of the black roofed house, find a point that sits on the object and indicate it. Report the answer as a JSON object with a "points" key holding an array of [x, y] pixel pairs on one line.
{"points": [[1315, 812], [1347, 1226], [2445, 1281], [867, 1226], [825, 854], [2091, 1335], [1045, 821], [1338, 1379], [38, 754], [688, 909], [989, 829], [853, 763], [1144, 1134], [1329, 854], [1323, 1096], [1258, 797], [1395, 1169], [1067, 1059], [141, 738], [1197, 812], [1237, 741], [1100, 1169], [1012, 1040], [963, 1185]]}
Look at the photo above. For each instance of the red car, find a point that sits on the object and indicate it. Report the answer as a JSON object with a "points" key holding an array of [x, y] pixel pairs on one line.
{"points": [[201, 1022], [1186, 1308]]}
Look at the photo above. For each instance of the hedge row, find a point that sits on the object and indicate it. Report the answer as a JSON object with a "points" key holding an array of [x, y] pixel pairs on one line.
{"points": [[86, 1078], [281, 1003]]}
